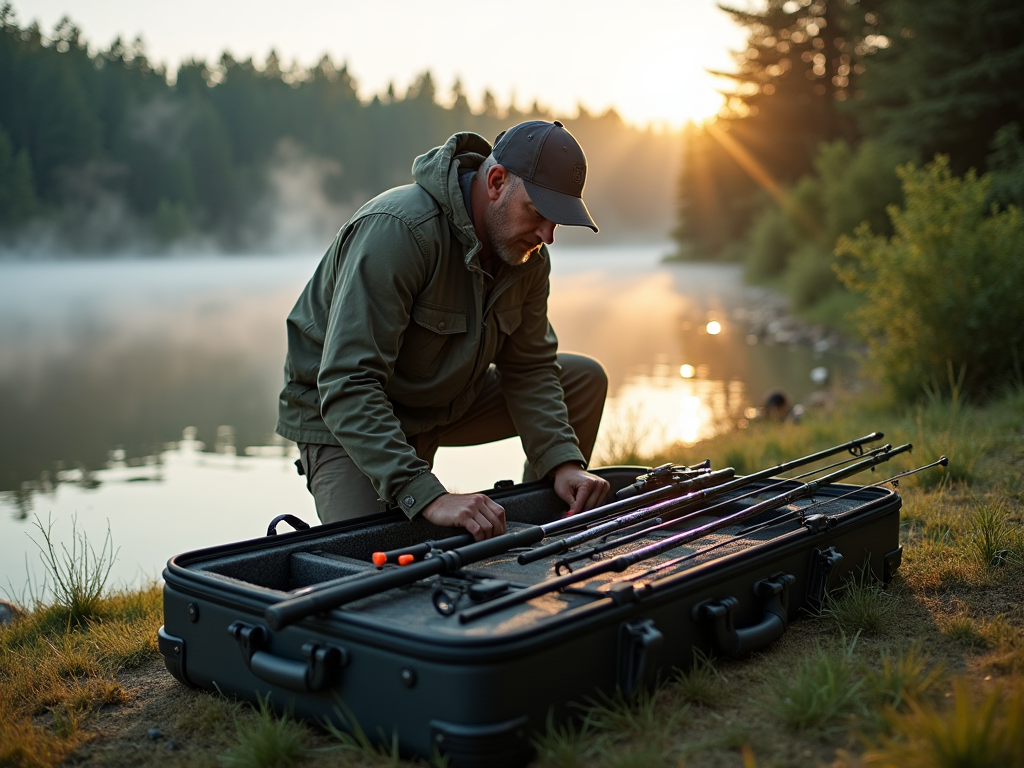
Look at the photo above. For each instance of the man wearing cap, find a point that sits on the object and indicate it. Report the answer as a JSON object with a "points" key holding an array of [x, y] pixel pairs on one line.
{"points": [[425, 324]]}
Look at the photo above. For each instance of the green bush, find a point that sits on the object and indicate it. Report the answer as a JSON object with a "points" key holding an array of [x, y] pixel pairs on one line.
{"points": [[795, 240], [769, 245], [857, 186], [810, 277], [944, 292]]}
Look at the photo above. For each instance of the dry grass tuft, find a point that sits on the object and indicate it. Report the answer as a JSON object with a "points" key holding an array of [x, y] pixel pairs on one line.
{"points": [[976, 730]]}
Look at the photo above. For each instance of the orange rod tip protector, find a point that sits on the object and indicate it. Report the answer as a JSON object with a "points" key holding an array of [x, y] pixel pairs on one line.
{"points": [[379, 558], [405, 559]]}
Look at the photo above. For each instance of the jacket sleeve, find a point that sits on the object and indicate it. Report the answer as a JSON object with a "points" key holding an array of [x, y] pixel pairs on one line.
{"points": [[529, 379], [380, 264]]}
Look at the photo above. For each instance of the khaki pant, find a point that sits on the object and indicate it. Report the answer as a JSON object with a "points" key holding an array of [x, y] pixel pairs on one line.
{"points": [[343, 492]]}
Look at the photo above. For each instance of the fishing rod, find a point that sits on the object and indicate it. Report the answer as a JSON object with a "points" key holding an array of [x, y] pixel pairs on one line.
{"points": [[622, 562], [785, 517], [296, 608], [565, 563], [557, 547], [663, 488]]}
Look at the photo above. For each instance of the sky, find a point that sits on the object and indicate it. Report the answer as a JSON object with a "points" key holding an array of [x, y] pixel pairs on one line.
{"points": [[646, 58]]}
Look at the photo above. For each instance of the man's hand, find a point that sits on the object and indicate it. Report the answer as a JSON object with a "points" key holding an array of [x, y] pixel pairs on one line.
{"points": [[475, 512], [578, 488]]}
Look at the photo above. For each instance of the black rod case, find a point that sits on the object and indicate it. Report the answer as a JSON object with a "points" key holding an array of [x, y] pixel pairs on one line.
{"points": [[401, 662]]}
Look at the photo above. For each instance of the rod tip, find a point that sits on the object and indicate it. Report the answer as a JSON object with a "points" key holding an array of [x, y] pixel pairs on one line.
{"points": [[944, 461]]}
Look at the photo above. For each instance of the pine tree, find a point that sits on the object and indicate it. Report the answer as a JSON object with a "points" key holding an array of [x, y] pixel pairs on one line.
{"points": [[946, 76]]}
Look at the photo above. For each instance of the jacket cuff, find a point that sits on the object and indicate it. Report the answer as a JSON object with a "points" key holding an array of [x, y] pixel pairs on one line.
{"points": [[556, 455], [416, 495]]}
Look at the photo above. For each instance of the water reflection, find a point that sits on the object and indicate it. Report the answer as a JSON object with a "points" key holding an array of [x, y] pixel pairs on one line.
{"points": [[104, 364]]}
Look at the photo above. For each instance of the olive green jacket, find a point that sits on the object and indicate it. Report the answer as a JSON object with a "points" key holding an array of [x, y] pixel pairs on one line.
{"points": [[393, 335]]}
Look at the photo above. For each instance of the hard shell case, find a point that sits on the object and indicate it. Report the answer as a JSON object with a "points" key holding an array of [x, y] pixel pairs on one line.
{"points": [[477, 693]]}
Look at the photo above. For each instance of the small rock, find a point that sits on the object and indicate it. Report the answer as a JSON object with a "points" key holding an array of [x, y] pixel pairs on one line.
{"points": [[171, 745], [155, 733], [8, 613]]}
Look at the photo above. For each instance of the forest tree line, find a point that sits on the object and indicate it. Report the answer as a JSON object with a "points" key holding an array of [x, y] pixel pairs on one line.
{"points": [[102, 151], [829, 97], [870, 162]]}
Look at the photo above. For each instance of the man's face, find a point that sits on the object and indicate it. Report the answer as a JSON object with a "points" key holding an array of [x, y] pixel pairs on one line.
{"points": [[515, 228]]}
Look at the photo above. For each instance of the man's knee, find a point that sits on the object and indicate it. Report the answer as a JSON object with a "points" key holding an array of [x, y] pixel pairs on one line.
{"points": [[583, 372], [340, 490]]}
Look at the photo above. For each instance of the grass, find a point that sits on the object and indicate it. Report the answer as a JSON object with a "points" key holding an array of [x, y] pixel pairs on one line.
{"points": [[59, 661], [267, 741], [974, 730], [820, 691], [903, 677], [79, 574], [702, 684], [935, 675], [861, 607]]}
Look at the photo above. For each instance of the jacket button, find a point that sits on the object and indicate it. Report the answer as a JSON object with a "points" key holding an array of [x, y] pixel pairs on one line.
{"points": [[408, 501], [441, 326]]}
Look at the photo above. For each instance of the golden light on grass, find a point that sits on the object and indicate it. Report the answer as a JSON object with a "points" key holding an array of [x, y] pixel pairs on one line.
{"points": [[714, 328]]}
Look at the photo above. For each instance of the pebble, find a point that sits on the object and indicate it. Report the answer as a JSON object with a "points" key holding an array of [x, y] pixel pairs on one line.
{"points": [[8, 612], [155, 733], [171, 745]]}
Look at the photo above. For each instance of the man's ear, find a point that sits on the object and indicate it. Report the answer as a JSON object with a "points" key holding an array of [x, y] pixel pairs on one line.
{"points": [[497, 178]]}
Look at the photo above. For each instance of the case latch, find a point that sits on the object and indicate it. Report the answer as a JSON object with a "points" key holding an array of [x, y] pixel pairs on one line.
{"points": [[638, 642], [822, 564]]}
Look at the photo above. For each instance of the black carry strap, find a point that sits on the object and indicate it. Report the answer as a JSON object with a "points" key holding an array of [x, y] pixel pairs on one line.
{"points": [[292, 520]]}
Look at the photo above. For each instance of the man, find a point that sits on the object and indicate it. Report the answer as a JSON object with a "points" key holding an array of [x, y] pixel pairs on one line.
{"points": [[425, 324]]}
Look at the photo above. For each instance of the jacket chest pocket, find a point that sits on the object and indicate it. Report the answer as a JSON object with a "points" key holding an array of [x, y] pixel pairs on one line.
{"points": [[428, 339], [509, 319]]}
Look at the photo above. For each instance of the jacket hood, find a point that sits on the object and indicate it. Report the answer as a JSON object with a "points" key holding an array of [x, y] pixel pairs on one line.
{"points": [[438, 170]]}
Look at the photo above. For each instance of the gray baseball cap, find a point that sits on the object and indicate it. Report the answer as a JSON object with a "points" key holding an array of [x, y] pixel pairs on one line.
{"points": [[552, 166]]}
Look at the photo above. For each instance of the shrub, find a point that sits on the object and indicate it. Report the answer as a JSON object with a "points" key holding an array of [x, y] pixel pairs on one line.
{"points": [[945, 290], [769, 245], [810, 277], [795, 241], [857, 185]]}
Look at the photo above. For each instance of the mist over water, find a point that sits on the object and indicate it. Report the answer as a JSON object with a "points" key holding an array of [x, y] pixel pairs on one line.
{"points": [[104, 365]]}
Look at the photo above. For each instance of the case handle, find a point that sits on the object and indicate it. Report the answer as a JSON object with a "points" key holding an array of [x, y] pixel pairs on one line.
{"points": [[320, 670], [734, 643]]}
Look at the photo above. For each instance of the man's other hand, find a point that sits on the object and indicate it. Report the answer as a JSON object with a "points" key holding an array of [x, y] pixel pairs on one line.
{"points": [[578, 488], [475, 512]]}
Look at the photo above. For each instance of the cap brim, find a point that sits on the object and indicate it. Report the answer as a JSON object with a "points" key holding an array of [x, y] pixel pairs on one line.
{"points": [[562, 209]]}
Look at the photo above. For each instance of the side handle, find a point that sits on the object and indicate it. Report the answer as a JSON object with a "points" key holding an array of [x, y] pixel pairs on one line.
{"points": [[733, 643], [320, 670]]}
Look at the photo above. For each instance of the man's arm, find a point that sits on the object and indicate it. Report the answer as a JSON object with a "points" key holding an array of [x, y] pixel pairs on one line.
{"points": [[379, 269], [530, 378]]}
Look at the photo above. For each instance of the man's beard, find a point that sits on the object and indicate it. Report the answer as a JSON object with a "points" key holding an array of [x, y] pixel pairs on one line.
{"points": [[514, 251]]}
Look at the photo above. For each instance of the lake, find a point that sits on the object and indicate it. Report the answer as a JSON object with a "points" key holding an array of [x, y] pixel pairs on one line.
{"points": [[140, 395]]}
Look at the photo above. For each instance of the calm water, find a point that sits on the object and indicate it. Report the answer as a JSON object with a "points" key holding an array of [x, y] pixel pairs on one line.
{"points": [[141, 395]]}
